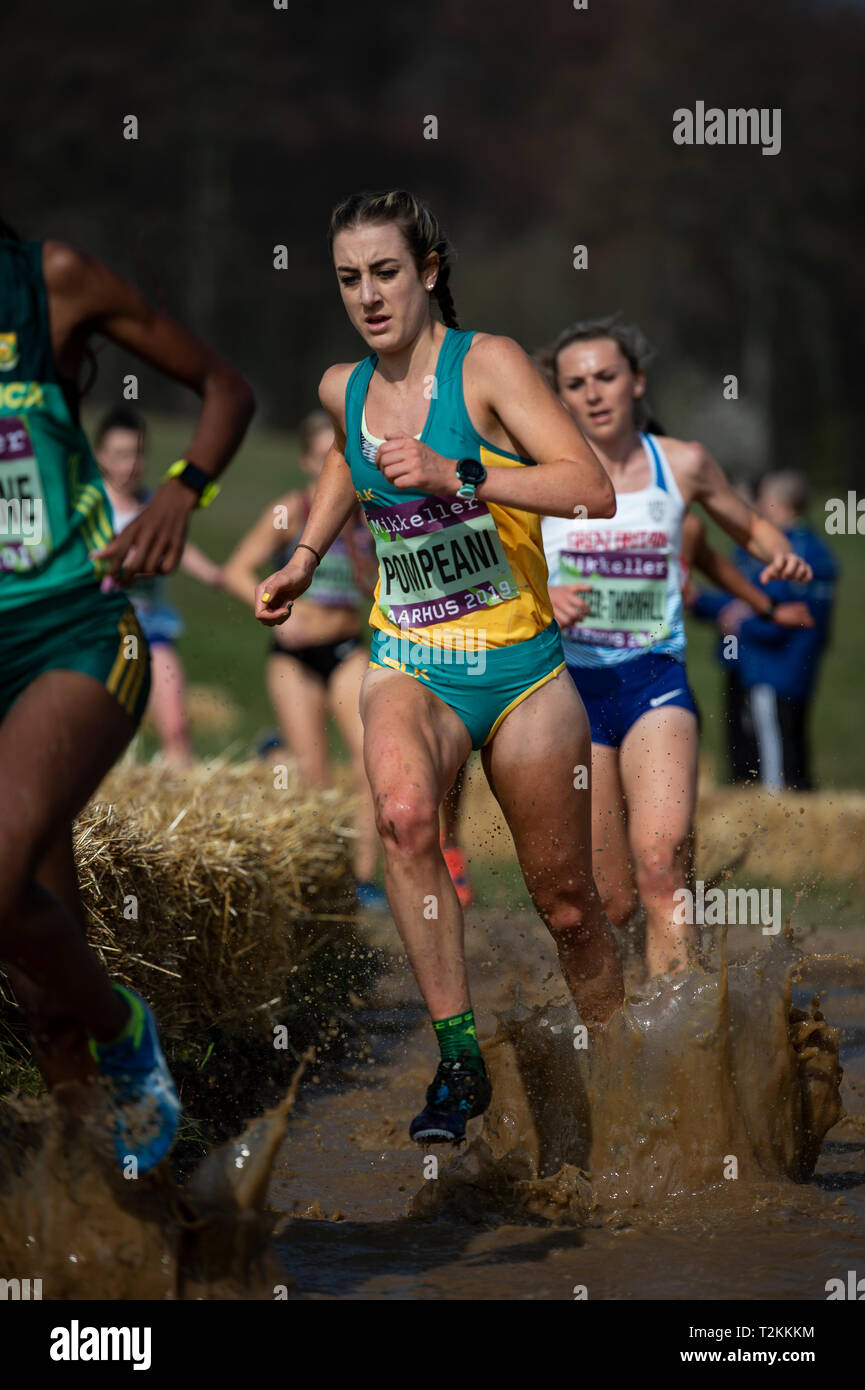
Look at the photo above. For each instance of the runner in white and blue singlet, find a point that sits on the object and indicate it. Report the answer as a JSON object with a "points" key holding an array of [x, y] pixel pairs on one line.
{"points": [[627, 654], [616, 589]]}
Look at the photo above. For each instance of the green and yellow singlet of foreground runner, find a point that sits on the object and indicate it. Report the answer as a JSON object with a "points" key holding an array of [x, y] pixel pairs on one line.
{"points": [[74, 669], [461, 602], [53, 514]]}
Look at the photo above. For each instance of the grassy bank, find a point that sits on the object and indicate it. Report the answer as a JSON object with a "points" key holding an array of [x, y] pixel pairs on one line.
{"points": [[223, 646]]}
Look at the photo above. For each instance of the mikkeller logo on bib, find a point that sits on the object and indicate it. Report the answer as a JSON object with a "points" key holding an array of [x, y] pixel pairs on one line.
{"points": [[9, 354]]}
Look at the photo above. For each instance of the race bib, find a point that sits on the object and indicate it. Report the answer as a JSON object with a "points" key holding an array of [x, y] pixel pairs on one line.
{"points": [[628, 599], [439, 559], [333, 582], [25, 539]]}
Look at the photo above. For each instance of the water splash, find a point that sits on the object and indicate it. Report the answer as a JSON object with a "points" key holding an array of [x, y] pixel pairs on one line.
{"points": [[701, 1080], [68, 1217]]}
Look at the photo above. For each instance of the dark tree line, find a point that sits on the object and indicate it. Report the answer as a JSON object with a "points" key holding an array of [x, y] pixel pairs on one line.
{"points": [[554, 129]]}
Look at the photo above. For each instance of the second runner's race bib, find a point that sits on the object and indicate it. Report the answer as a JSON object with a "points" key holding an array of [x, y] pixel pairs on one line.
{"points": [[628, 601]]}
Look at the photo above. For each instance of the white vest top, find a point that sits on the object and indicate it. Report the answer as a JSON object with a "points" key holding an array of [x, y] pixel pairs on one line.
{"points": [[632, 561]]}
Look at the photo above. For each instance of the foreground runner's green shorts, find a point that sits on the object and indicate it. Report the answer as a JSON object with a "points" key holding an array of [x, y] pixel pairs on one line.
{"points": [[483, 686], [84, 630]]}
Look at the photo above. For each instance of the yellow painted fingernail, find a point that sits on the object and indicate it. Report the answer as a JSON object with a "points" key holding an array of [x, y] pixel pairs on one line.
{"points": [[265, 598]]}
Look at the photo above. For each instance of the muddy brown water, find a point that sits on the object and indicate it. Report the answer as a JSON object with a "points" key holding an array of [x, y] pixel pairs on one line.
{"points": [[513, 1217], [699, 1117]]}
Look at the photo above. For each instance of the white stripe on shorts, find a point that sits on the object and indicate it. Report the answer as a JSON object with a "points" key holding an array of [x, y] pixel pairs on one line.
{"points": [[767, 728]]}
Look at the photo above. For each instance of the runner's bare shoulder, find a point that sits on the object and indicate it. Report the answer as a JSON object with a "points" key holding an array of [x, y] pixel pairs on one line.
{"points": [[331, 391], [499, 370], [74, 275], [494, 354], [688, 459], [65, 267]]}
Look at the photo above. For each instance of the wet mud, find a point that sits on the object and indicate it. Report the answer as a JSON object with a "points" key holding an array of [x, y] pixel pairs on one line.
{"points": [[702, 1080], [607, 1170], [69, 1218], [699, 1148]]}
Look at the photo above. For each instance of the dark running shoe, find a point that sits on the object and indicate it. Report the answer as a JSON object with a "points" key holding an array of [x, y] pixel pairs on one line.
{"points": [[457, 1094]]}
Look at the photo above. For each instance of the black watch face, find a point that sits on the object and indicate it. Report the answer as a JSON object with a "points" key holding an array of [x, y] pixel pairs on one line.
{"points": [[194, 478], [470, 471]]}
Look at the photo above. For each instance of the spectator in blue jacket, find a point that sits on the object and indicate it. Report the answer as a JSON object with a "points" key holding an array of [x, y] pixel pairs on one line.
{"points": [[771, 681]]}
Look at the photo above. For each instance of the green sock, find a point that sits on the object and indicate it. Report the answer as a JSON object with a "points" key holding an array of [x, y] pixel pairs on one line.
{"points": [[132, 1028], [457, 1037]]}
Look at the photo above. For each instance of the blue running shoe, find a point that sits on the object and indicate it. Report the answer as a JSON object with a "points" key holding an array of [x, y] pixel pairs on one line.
{"points": [[371, 897], [457, 1094], [266, 744], [146, 1105]]}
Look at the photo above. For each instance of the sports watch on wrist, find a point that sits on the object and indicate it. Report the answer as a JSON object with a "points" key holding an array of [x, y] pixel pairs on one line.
{"points": [[471, 474], [193, 477]]}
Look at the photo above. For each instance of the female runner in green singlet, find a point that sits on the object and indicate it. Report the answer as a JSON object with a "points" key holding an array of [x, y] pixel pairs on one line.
{"points": [[73, 662], [455, 446]]}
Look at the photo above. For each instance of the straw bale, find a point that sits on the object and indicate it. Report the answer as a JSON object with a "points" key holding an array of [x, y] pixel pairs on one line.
{"points": [[791, 837], [207, 889]]}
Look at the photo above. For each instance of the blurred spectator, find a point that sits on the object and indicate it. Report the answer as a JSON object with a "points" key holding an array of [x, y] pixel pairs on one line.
{"points": [[121, 453], [771, 680]]}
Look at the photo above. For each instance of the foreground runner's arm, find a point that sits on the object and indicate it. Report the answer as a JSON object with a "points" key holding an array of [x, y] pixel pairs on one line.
{"points": [[332, 505], [707, 484], [86, 297], [506, 392]]}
